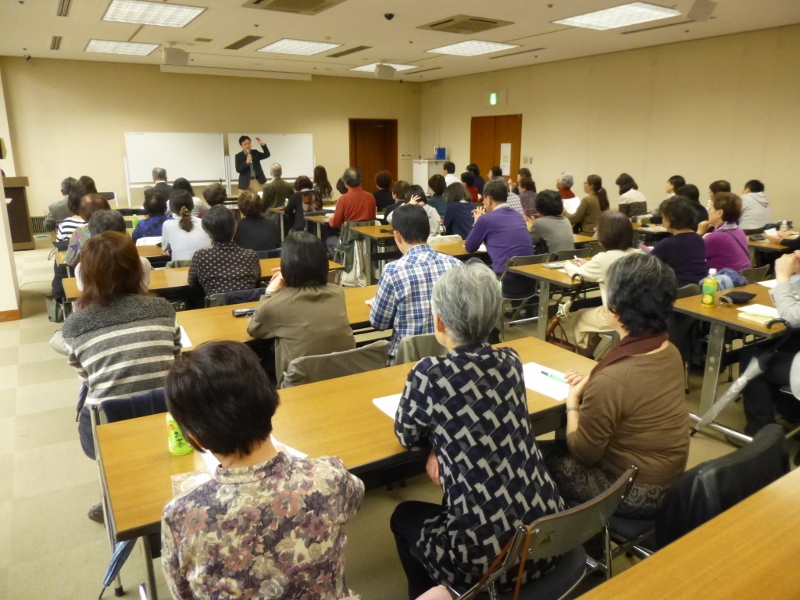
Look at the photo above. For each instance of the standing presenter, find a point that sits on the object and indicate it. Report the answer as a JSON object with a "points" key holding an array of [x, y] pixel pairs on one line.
{"points": [[248, 165]]}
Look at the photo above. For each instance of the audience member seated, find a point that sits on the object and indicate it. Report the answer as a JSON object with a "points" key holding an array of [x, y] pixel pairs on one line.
{"points": [[111, 220], [503, 231], [67, 226], [155, 207], [586, 216], [277, 191], [691, 193], [479, 181], [225, 267], [762, 396], [629, 190], [183, 234], [673, 183], [512, 200], [268, 524], [182, 183], [564, 186], [58, 211], [527, 196], [458, 215], [355, 205], [160, 183], [468, 181], [120, 340], [303, 312], [383, 195], [756, 212], [415, 195], [399, 190], [322, 186], [254, 231], [214, 195], [726, 246], [402, 302], [303, 200], [437, 185], [341, 187], [630, 410], [551, 231], [615, 233], [684, 250], [514, 186], [90, 204], [720, 185], [482, 452], [88, 184], [448, 171]]}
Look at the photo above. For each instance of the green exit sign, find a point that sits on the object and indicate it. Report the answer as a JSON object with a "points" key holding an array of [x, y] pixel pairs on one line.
{"points": [[498, 98], [493, 99]]}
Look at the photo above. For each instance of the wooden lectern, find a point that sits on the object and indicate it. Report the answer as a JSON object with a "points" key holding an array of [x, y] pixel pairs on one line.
{"points": [[19, 219]]}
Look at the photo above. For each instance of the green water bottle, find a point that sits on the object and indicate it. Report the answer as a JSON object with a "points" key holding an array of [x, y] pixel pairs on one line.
{"points": [[710, 285], [135, 221], [175, 441]]}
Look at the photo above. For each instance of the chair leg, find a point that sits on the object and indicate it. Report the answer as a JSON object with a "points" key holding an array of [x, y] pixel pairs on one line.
{"points": [[147, 552], [686, 378], [607, 551]]}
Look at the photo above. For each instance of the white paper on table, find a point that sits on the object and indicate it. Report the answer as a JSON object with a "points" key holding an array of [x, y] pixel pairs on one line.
{"points": [[771, 231], [564, 271], [388, 404], [760, 310], [545, 381], [185, 341], [654, 229], [286, 449], [370, 301], [769, 283], [482, 248]]}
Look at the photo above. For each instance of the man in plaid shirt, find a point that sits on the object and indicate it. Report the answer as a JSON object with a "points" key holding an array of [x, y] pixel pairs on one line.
{"points": [[403, 300]]}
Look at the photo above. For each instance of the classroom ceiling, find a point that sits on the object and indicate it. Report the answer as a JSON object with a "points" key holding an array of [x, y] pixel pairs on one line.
{"points": [[30, 28]]}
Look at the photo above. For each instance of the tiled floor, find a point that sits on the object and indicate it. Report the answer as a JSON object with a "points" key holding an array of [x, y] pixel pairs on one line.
{"points": [[49, 549]]}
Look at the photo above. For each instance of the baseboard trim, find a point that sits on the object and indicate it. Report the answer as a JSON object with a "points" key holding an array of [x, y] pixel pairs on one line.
{"points": [[10, 315]]}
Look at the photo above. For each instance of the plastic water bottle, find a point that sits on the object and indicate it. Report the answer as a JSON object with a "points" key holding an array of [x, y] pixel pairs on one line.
{"points": [[784, 226], [176, 443], [135, 221], [710, 285]]}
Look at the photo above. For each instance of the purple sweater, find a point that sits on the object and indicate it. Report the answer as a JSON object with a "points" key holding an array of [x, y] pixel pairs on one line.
{"points": [[727, 248], [504, 232], [686, 254]]}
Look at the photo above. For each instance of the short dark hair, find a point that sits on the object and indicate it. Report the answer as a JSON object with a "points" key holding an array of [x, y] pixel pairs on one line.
{"points": [[676, 181], [304, 260], [468, 179], [91, 203], [679, 212], [473, 168], [496, 172], [437, 183], [242, 138], [219, 223], [66, 183], [107, 220], [340, 186], [455, 192], [383, 179], [755, 186], [614, 230], [525, 172], [730, 205], [249, 204], [626, 183], [155, 203], [549, 203], [400, 188], [527, 184], [74, 195], [303, 183], [720, 185], [88, 184], [411, 222], [181, 183], [450, 167], [496, 190], [220, 395], [416, 190], [641, 292], [689, 191], [352, 177], [214, 194]]}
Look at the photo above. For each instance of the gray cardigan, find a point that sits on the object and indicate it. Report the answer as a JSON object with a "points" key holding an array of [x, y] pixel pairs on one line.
{"points": [[786, 297], [556, 232]]}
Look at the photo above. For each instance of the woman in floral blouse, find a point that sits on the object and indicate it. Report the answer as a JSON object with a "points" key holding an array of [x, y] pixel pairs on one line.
{"points": [[267, 525]]}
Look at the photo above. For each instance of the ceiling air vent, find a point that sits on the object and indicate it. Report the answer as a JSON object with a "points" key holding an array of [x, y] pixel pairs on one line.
{"points": [[465, 25], [55, 43], [203, 40], [63, 8], [248, 39], [348, 51], [298, 7]]}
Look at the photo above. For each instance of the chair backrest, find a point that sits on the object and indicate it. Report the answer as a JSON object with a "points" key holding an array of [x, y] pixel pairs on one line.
{"points": [[335, 277], [274, 253], [141, 405], [518, 261], [176, 264], [149, 241], [633, 209], [570, 254], [415, 347], [755, 274], [235, 297], [753, 231], [309, 369], [594, 248], [714, 486], [111, 197], [692, 289], [344, 252]]}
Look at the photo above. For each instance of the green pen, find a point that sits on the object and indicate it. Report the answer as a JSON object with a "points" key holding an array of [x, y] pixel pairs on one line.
{"points": [[554, 376]]}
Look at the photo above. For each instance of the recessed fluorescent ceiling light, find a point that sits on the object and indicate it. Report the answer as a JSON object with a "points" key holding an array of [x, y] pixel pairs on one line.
{"points": [[151, 13], [371, 67], [620, 16], [473, 48], [109, 47], [300, 47]]}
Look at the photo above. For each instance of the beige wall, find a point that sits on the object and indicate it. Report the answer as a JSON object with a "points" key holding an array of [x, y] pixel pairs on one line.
{"points": [[723, 108], [68, 117]]}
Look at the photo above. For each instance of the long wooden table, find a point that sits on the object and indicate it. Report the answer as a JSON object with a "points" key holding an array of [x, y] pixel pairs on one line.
{"points": [[171, 280], [547, 279], [749, 551], [218, 323]]}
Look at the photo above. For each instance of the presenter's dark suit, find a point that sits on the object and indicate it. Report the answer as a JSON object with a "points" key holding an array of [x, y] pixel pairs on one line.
{"points": [[162, 187], [243, 169]]}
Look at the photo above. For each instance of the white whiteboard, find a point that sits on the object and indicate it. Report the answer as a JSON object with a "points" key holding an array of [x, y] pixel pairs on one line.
{"points": [[195, 156], [292, 151]]}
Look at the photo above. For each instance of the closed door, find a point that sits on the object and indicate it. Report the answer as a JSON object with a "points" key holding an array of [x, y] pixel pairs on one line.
{"points": [[486, 138], [373, 148]]}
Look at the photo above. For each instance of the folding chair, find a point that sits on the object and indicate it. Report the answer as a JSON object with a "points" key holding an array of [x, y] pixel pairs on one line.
{"points": [[570, 254], [235, 297], [321, 367], [416, 347], [755, 274], [522, 301]]}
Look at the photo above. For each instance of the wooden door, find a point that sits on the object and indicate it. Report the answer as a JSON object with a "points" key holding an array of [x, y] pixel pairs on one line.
{"points": [[486, 135], [373, 148]]}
